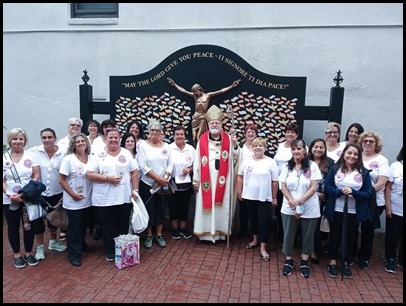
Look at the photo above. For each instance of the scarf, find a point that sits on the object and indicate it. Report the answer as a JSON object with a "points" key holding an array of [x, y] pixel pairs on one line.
{"points": [[205, 170]]}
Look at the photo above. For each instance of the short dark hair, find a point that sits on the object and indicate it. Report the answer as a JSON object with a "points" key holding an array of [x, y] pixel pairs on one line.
{"points": [[293, 127], [95, 122], [140, 127]]}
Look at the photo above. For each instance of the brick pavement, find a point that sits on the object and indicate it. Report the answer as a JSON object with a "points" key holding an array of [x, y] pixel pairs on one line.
{"points": [[191, 271]]}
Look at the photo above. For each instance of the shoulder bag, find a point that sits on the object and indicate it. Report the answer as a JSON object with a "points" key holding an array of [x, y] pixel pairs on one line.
{"points": [[58, 217]]}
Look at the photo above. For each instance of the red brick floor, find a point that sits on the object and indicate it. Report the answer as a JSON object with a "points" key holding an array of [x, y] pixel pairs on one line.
{"points": [[191, 271]]}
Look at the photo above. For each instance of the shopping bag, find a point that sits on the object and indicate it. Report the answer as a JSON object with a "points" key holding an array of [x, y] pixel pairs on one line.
{"points": [[127, 251], [139, 217]]}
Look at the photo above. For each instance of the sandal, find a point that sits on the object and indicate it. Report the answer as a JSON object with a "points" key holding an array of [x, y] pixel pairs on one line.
{"points": [[265, 258], [251, 246]]}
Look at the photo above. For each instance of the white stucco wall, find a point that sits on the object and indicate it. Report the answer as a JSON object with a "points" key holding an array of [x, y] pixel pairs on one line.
{"points": [[44, 56]]}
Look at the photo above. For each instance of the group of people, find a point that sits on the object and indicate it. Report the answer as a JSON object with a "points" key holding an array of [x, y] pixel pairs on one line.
{"points": [[96, 176], [352, 172]]}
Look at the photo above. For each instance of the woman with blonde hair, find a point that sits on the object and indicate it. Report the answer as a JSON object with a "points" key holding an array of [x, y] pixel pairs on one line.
{"points": [[257, 185], [378, 166], [334, 147], [19, 167]]}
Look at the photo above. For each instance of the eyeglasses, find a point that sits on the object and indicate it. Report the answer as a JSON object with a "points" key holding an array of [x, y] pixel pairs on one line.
{"points": [[73, 125], [334, 132], [154, 130], [368, 141]]}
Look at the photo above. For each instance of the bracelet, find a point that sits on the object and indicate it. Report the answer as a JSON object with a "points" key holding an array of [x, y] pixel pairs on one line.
{"points": [[107, 178], [136, 190]]}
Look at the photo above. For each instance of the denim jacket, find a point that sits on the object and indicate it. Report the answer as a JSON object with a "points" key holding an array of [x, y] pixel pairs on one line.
{"points": [[361, 196]]}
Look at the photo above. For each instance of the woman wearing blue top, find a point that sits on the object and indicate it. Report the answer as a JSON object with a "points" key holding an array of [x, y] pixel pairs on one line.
{"points": [[347, 178]]}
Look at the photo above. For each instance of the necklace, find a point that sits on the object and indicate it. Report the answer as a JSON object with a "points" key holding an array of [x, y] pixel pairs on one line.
{"points": [[82, 158]]}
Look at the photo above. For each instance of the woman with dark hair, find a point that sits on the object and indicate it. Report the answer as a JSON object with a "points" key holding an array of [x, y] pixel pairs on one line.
{"points": [[114, 173], [182, 155], [349, 188], [352, 134], [49, 156], [128, 141], [94, 129], [298, 179], [135, 127], [100, 142], [318, 154], [283, 154]]}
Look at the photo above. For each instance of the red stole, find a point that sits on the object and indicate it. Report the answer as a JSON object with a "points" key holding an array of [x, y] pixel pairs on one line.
{"points": [[205, 170]]}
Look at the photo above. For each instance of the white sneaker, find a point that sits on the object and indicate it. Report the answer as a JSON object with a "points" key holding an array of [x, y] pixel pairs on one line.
{"points": [[40, 255], [56, 246]]}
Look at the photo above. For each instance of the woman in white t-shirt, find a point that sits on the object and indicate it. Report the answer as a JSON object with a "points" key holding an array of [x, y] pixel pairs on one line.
{"points": [[394, 215], [299, 178], [94, 129], [283, 154], [114, 173], [77, 195], [250, 133], [257, 186], [371, 144], [19, 167], [155, 161], [334, 147], [349, 188]]}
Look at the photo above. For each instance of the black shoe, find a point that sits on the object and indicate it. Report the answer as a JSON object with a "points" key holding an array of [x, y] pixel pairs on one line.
{"points": [[288, 267], [110, 257], [19, 262], [332, 271], [184, 232], [87, 249], [363, 264], [30, 260], [346, 271], [175, 234], [304, 268], [390, 266], [75, 262]]}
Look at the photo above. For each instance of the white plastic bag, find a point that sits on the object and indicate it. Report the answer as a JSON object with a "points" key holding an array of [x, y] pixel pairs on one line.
{"points": [[139, 217]]}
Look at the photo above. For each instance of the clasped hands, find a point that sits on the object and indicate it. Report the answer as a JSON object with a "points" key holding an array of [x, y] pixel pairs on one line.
{"points": [[293, 204], [346, 191]]}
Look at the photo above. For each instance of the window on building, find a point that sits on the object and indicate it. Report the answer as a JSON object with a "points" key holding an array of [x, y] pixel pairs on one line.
{"points": [[94, 10]]}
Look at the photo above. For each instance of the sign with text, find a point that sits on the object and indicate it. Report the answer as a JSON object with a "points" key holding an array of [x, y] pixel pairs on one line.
{"points": [[192, 79]]}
